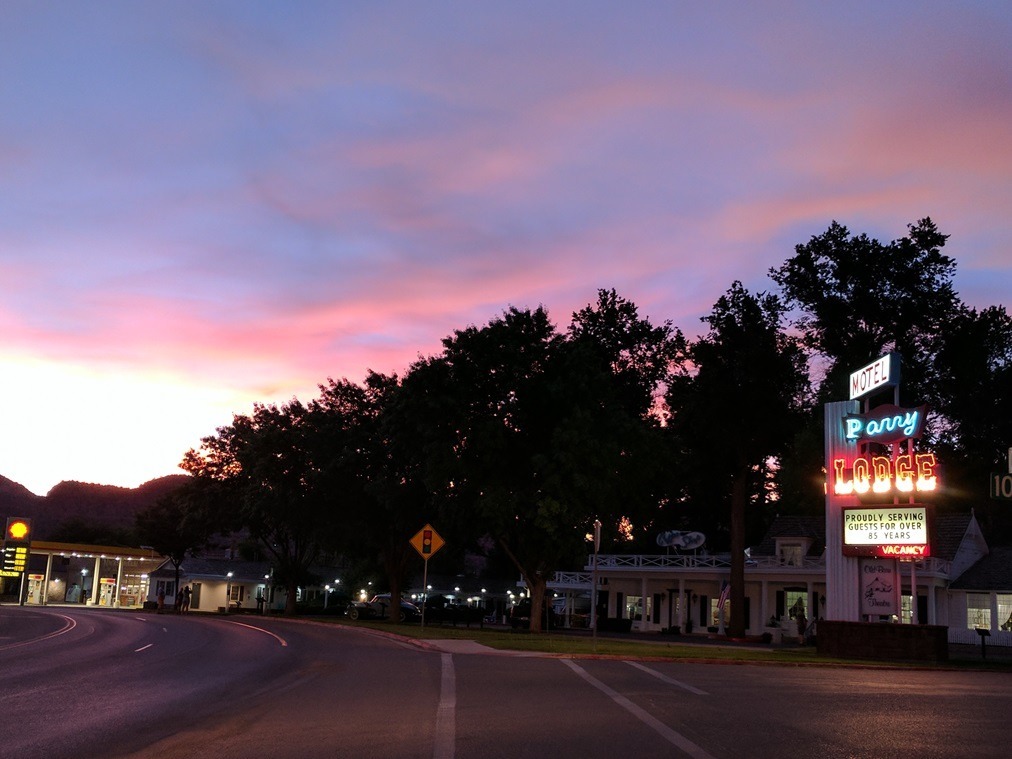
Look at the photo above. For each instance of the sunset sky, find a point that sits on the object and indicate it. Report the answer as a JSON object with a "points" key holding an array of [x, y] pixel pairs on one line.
{"points": [[207, 204]]}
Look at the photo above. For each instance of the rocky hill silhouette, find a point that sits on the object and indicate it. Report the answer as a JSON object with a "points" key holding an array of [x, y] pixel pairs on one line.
{"points": [[71, 507]]}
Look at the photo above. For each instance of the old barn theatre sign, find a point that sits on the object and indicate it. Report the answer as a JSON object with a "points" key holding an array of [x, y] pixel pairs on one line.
{"points": [[882, 372], [885, 424]]}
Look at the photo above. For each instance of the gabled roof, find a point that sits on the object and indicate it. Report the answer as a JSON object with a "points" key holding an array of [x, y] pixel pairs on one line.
{"points": [[793, 526], [993, 572], [201, 568], [949, 533]]}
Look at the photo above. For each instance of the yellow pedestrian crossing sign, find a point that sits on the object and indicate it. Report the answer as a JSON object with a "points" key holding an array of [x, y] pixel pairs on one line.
{"points": [[427, 541]]}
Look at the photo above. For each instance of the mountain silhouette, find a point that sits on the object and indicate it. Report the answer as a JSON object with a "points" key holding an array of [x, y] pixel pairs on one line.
{"points": [[93, 510]]}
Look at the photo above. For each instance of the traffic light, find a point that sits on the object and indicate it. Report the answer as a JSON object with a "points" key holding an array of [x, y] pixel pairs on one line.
{"points": [[426, 542]]}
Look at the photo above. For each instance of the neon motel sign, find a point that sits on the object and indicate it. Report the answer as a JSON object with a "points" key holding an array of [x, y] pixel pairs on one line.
{"points": [[885, 424], [880, 475], [882, 372]]}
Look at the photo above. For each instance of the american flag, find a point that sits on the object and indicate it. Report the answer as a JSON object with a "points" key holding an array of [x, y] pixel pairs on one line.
{"points": [[725, 591]]}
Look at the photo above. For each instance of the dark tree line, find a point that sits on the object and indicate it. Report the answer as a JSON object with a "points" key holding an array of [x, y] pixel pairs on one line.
{"points": [[518, 435]]}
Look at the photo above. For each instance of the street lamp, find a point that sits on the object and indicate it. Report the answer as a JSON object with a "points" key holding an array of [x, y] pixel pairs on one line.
{"points": [[228, 591]]}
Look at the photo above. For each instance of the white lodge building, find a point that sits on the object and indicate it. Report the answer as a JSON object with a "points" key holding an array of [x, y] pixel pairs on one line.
{"points": [[962, 585]]}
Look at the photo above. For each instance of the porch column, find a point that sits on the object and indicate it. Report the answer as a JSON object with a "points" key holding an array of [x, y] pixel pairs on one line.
{"points": [[932, 611], [764, 614], [995, 622], [644, 617], [681, 604], [119, 581], [95, 580], [45, 582]]}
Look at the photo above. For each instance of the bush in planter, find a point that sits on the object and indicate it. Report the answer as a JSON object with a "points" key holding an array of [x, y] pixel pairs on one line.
{"points": [[767, 637], [614, 624]]}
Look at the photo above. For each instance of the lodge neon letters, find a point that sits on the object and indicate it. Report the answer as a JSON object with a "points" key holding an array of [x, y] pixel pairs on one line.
{"points": [[880, 475]]}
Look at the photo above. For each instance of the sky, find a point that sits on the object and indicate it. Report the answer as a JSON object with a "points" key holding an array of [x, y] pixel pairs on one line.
{"points": [[204, 205]]}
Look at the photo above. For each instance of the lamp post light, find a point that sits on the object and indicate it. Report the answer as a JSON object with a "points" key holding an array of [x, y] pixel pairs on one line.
{"points": [[84, 582], [228, 591], [593, 592]]}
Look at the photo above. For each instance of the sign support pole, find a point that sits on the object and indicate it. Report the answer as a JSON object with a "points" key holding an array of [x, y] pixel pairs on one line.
{"points": [[425, 587], [593, 604]]}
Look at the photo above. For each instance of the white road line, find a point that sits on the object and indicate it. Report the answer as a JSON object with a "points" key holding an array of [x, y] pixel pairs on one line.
{"points": [[446, 719], [68, 624], [138, 650], [668, 680], [673, 737], [278, 638]]}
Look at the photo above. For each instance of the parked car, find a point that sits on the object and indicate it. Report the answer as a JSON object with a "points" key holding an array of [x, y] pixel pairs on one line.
{"points": [[444, 609], [519, 616], [377, 606]]}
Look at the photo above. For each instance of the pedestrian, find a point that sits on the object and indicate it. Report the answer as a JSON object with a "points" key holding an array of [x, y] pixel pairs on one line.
{"points": [[161, 600], [177, 601], [186, 598], [802, 626]]}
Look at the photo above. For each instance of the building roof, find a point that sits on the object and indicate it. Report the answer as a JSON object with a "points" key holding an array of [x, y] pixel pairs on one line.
{"points": [[794, 526], [993, 572], [198, 567], [950, 530]]}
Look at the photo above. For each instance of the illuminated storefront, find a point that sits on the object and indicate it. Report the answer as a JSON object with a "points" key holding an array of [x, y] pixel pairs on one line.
{"points": [[77, 573]]}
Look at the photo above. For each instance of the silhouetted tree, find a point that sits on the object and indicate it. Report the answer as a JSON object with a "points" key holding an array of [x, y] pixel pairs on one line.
{"points": [[542, 432], [735, 404], [263, 473], [173, 527]]}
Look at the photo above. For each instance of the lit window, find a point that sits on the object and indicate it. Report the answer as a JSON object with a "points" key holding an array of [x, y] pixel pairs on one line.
{"points": [[1005, 611], [978, 611]]}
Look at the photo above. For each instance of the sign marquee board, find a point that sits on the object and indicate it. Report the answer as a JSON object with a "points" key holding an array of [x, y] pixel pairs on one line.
{"points": [[17, 542], [897, 531]]}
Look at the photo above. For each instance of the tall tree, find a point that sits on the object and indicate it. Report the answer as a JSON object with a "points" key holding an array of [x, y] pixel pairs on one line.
{"points": [[540, 432], [859, 298], [735, 404], [383, 499], [174, 527], [262, 473], [973, 394]]}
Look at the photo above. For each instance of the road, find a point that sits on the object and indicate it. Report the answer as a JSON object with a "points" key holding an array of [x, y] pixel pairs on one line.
{"points": [[97, 683]]}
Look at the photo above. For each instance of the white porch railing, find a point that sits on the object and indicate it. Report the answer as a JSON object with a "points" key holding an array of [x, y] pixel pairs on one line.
{"points": [[651, 562]]}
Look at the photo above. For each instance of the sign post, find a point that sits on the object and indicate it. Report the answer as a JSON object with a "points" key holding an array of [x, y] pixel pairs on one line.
{"points": [[17, 542], [593, 600], [426, 541]]}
